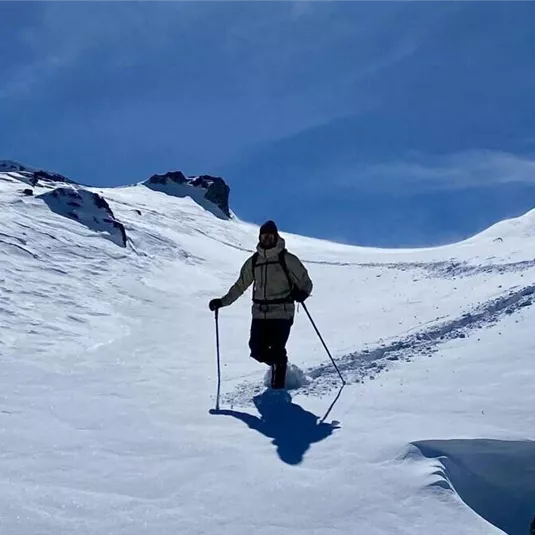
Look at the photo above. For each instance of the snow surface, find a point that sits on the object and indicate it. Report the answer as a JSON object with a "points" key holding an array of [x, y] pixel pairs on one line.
{"points": [[108, 381]]}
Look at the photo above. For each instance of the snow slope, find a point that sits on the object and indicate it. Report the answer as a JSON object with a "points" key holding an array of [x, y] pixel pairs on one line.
{"points": [[108, 376]]}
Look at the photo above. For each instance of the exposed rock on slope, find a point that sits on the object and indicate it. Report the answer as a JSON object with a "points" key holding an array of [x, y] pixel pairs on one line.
{"points": [[89, 209], [69, 199], [212, 193], [31, 175]]}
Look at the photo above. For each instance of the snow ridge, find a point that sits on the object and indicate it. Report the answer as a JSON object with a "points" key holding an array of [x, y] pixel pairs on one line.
{"points": [[493, 477]]}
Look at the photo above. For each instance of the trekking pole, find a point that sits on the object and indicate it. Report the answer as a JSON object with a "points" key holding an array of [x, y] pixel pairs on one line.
{"points": [[324, 345], [218, 358]]}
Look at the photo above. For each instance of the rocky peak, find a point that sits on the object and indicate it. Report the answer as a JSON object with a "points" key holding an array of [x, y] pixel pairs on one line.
{"points": [[31, 175], [211, 188], [9, 166], [171, 177], [210, 192]]}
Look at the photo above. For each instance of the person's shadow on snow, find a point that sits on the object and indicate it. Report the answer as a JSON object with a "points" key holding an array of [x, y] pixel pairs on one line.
{"points": [[292, 428]]}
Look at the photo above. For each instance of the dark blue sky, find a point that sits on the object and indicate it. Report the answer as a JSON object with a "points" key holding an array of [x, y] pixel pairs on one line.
{"points": [[375, 123]]}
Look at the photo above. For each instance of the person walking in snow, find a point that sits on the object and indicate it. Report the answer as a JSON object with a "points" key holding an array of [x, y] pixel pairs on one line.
{"points": [[280, 279]]}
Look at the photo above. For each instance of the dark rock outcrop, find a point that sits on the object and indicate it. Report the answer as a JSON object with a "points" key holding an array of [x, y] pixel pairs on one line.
{"points": [[9, 166], [47, 176], [217, 191], [211, 192], [172, 177], [89, 209], [32, 176]]}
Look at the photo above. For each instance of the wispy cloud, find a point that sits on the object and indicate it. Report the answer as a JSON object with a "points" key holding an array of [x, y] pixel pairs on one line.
{"points": [[202, 84], [425, 173], [59, 35], [300, 8]]}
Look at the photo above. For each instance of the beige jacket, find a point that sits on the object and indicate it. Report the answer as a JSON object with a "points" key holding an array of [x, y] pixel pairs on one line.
{"points": [[271, 283]]}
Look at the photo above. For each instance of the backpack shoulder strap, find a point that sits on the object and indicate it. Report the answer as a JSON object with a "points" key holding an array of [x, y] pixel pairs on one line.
{"points": [[255, 261], [282, 261]]}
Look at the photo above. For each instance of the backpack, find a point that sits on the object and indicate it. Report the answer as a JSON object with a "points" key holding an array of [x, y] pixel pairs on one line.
{"points": [[282, 261]]}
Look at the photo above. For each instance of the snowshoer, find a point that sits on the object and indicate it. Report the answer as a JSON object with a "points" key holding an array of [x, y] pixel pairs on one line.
{"points": [[280, 279]]}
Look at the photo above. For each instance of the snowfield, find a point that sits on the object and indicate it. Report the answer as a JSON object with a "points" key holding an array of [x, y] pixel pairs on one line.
{"points": [[108, 378]]}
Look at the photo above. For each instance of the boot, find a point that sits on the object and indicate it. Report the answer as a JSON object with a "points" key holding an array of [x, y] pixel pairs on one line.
{"points": [[278, 375]]}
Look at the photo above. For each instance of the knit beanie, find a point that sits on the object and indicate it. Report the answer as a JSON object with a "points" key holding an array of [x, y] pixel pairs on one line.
{"points": [[269, 227]]}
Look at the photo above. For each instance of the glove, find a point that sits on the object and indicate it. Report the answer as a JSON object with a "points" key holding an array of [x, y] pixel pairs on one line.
{"points": [[299, 295], [215, 304]]}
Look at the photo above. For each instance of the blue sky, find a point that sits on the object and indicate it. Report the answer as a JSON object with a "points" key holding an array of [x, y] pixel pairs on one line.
{"points": [[386, 123]]}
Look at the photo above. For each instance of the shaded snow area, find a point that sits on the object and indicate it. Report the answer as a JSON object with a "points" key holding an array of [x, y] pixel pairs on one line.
{"points": [[89, 209], [108, 377], [496, 478]]}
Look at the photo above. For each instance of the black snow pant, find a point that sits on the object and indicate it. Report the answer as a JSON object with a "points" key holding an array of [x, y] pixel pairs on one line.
{"points": [[268, 344]]}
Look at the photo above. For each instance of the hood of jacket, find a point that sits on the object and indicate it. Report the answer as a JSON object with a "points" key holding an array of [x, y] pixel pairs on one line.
{"points": [[274, 252]]}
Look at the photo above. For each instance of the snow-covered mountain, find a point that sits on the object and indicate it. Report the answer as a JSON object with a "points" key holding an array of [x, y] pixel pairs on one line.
{"points": [[109, 373]]}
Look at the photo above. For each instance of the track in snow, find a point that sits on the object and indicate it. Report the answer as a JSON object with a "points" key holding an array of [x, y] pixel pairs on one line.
{"points": [[443, 270], [362, 365]]}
